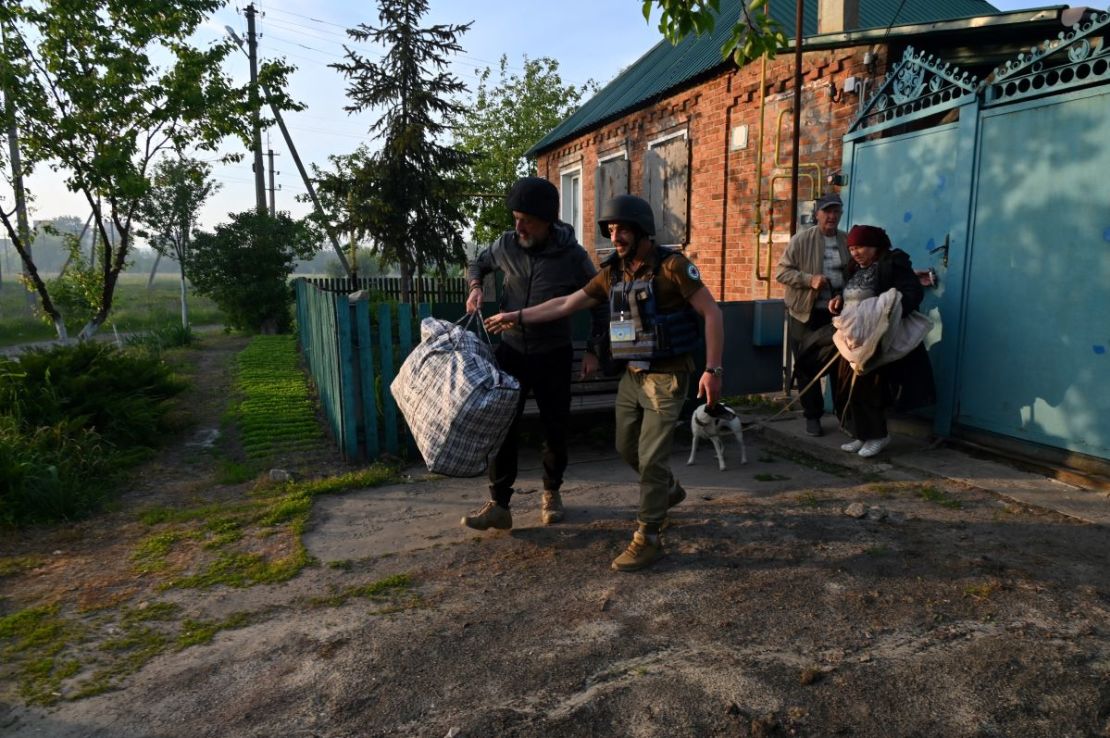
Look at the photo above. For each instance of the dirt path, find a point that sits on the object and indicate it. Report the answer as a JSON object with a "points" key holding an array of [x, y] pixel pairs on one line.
{"points": [[797, 599]]}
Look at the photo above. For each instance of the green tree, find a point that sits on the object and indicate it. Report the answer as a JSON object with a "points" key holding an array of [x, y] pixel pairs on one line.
{"points": [[179, 187], [414, 186], [504, 121], [756, 34], [89, 100], [344, 192], [245, 266]]}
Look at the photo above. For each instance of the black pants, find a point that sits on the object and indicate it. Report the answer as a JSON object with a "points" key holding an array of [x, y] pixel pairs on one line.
{"points": [[862, 402], [810, 356], [547, 377]]}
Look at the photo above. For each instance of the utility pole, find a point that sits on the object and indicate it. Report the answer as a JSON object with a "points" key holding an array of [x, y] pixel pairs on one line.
{"points": [[256, 124], [273, 205], [300, 168]]}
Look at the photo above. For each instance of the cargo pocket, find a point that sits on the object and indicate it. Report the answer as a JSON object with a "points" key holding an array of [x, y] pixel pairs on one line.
{"points": [[665, 392]]}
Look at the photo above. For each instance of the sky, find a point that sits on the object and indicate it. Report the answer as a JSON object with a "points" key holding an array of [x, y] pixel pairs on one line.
{"points": [[311, 35]]}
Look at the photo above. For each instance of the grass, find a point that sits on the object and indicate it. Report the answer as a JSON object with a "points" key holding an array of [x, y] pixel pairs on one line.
{"points": [[763, 403], [770, 477], [34, 641], [245, 542], [12, 565], [134, 309], [236, 544], [60, 651], [940, 497], [981, 592], [809, 499], [395, 587], [275, 412]]}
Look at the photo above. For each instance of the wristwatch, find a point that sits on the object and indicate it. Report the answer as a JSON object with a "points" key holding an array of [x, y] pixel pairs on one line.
{"points": [[716, 371]]}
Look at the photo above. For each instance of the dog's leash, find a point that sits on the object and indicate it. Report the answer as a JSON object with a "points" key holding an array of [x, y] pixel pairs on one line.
{"points": [[801, 392]]}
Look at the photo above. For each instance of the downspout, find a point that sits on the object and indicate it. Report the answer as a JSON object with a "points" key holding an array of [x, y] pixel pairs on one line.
{"points": [[724, 197], [799, 15], [757, 222]]}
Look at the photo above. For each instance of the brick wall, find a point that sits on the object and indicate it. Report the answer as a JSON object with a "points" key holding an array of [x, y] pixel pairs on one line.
{"points": [[723, 223]]}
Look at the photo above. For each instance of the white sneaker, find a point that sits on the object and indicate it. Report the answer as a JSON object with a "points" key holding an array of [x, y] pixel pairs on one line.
{"points": [[852, 446], [874, 446]]}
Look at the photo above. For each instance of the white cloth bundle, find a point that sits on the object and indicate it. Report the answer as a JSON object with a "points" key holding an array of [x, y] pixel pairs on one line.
{"points": [[873, 332]]}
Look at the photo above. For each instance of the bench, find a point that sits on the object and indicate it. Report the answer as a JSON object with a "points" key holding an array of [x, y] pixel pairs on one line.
{"points": [[595, 394]]}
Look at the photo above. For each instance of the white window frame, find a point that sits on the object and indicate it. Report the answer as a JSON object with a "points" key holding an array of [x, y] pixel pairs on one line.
{"points": [[604, 252], [668, 137], [570, 203]]}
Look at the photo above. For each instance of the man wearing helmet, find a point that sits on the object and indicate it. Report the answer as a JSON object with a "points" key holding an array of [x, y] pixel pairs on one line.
{"points": [[540, 259], [654, 295]]}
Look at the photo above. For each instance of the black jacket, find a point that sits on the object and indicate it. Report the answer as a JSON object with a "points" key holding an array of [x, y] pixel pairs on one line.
{"points": [[558, 267], [909, 379]]}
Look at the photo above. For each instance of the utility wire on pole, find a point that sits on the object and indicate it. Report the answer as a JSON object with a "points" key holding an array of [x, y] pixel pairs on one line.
{"points": [[300, 167], [256, 124]]}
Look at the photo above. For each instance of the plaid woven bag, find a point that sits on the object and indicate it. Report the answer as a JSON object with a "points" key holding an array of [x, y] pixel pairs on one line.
{"points": [[457, 403]]}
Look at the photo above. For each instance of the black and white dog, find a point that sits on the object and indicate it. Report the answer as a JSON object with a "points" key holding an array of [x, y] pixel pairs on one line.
{"points": [[712, 424]]}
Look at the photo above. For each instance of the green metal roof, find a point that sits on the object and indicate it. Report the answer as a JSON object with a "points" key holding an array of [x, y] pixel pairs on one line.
{"points": [[666, 67]]}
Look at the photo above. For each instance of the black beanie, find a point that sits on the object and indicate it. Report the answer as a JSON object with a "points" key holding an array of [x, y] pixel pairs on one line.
{"points": [[534, 196]]}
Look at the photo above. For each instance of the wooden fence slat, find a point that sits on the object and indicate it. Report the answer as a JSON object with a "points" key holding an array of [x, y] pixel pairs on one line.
{"points": [[404, 345], [348, 420], [389, 405], [366, 366]]}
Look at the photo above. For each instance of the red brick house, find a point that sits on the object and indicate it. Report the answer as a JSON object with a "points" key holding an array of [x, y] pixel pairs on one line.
{"points": [[710, 144]]}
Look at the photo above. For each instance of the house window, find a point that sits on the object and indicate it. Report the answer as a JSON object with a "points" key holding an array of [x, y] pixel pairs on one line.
{"points": [[612, 180], [570, 195], [667, 186]]}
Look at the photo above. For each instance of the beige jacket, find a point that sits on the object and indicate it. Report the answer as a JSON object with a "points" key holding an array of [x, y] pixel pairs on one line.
{"points": [[801, 260]]}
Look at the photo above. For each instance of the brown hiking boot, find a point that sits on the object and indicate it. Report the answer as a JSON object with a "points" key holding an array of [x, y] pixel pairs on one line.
{"points": [[551, 509], [642, 552], [491, 515]]}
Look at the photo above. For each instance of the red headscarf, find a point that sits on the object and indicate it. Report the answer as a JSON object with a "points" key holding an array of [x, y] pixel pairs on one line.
{"points": [[869, 235]]}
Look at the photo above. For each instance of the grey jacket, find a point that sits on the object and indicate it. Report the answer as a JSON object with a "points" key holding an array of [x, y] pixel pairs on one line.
{"points": [[801, 260], [531, 276]]}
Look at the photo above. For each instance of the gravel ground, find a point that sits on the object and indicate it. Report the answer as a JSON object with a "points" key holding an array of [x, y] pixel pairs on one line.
{"points": [[797, 599]]}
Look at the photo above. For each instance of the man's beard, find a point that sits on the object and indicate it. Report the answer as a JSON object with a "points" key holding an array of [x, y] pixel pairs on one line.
{"points": [[528, 243]]}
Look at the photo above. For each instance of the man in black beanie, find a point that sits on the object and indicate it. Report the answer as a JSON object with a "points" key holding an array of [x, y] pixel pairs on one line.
{"points": [[540, 259]]}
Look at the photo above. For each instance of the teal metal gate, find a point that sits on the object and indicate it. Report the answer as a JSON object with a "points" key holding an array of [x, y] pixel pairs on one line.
{"points": [[1010, 205]]}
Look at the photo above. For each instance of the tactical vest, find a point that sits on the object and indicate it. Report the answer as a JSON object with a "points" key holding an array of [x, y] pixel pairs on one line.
{"points": [[638, 330]]}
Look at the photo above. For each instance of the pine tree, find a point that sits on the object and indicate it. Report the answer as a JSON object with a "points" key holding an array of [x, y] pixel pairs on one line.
{"points": [[415, 185]]}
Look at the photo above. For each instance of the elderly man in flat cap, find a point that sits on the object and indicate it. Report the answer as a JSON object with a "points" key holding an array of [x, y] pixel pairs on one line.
{"points": [[540, 258], [812, 270]]}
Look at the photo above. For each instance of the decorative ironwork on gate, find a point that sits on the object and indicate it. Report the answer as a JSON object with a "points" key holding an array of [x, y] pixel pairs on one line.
{"points": [[1077, 57], [919, 86]]}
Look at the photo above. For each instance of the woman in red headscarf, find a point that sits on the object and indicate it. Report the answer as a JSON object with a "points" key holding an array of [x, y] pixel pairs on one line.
{"points": [[883, 363]]}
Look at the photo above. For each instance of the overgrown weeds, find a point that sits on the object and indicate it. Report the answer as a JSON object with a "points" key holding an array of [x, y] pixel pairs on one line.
{"points": [[74, 417]]}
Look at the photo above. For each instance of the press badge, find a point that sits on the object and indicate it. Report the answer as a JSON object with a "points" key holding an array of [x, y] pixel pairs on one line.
{"points": [[622, 331]]}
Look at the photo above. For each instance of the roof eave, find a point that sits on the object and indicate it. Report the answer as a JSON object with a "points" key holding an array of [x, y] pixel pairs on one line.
{"points": [[819, 42], [871, 35]]}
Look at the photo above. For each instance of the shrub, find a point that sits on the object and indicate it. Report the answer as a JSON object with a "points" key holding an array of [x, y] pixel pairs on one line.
{"points": [[245, 266], [71, 418], [51, 473], [120, 395]]}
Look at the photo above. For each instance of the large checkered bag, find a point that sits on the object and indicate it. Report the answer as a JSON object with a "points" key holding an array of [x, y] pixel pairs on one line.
{"points": [[456, 401]]}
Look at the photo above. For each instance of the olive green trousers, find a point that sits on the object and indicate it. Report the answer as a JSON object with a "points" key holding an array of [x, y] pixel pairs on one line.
{"points": [[648, 405]]}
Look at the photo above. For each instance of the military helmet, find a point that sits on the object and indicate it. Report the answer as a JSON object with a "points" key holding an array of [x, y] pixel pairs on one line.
{"points": [[627, 209]]}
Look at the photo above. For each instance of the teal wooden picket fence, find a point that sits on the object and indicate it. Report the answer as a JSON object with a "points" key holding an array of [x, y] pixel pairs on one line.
{"points": [[353, 350]]}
